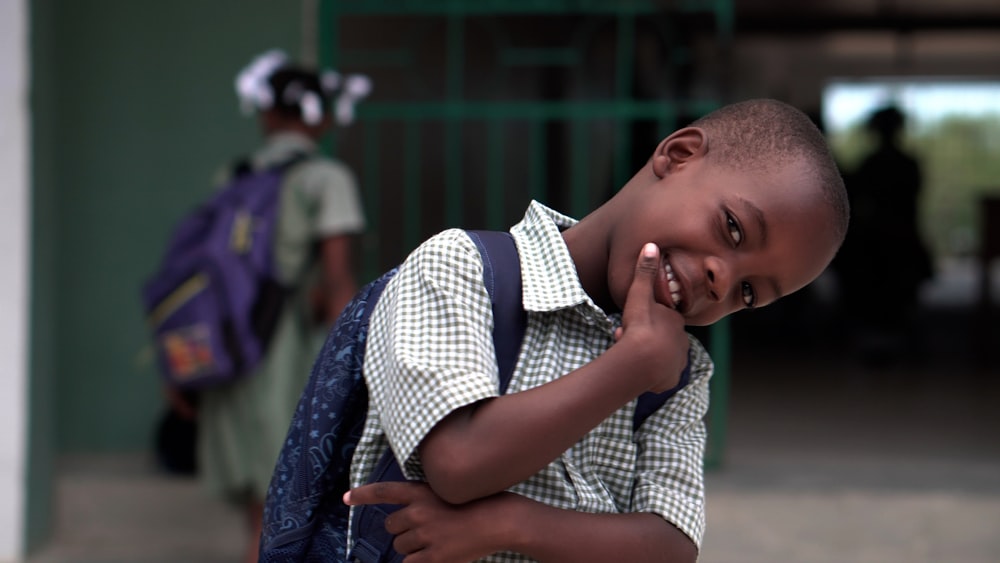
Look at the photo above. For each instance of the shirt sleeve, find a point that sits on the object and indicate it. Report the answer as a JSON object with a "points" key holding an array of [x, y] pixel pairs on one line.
{"points": [[430, 348], [670, 467]]}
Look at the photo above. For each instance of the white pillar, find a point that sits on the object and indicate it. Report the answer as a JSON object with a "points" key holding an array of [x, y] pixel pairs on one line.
{"points": [[15, 225]]}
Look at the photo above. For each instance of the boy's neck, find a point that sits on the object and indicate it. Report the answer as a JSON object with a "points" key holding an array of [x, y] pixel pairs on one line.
{"points": [[590, 256]]}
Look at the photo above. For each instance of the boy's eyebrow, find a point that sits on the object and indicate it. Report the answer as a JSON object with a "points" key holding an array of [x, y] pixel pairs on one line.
{"points": [[758, 216]]}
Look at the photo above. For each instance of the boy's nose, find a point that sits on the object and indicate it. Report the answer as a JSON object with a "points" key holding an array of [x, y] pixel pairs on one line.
{"points": [[717, 276]]}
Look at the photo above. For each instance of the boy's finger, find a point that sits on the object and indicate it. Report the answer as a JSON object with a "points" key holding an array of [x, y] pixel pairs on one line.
{"points": [[645, 274], [388, 492]]}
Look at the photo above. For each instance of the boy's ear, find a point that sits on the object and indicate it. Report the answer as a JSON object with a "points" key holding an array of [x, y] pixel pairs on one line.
{"points": [[681, 146]]}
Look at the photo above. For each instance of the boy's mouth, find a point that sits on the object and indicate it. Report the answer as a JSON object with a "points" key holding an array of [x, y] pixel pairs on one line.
{"points": [[674, 285]]}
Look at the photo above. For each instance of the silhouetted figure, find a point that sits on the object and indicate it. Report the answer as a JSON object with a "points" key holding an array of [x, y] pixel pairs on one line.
{"points": [[884, 260]]}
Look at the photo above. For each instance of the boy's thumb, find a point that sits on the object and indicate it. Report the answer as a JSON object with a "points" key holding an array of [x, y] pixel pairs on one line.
{"points": [[648, 262]]}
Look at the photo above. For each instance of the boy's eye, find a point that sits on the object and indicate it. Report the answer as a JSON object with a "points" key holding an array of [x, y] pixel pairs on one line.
{"points": [[734, 229], [749, 299]]}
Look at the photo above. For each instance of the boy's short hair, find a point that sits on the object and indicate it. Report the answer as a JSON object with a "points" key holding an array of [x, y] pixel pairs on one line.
{"points": [[760, 134]]}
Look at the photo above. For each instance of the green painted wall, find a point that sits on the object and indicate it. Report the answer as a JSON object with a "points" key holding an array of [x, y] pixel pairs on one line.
{"points": [[134, 111], [41, 390]]}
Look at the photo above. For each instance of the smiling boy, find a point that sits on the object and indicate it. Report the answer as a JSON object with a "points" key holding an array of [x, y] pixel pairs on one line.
{"points": [[733, 212]]}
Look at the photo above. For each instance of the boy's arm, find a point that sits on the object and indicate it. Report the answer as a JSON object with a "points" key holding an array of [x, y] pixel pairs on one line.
{"points": [[488, 446], [509, 522], [668, 500]]}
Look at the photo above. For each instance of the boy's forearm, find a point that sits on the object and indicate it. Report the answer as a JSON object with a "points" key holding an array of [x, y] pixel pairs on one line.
{"points": [[442, 531], [553, 535], [488, 447]]}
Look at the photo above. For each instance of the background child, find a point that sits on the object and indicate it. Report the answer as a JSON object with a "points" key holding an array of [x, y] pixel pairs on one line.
{"points": [[241, 426], [734, 212]]}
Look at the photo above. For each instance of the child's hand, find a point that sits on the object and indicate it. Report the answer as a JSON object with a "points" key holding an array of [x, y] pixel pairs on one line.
{"points": [[652, 329], [429, 529]]}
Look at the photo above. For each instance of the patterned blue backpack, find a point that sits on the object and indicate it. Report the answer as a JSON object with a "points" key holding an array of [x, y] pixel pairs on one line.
{"points": [[305, 519], [215, 301], [304, 516]]}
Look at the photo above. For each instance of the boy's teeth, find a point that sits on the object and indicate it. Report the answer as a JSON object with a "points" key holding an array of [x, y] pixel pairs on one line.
{"points": [[673, 284]]}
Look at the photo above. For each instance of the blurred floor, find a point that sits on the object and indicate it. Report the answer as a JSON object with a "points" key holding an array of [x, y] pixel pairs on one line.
{"points": [[828, 460], [120, 509], [834, 457], [894, 466]]}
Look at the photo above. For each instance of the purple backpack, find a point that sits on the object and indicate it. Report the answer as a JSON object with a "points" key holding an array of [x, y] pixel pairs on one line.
{"points": [[215, 301]]}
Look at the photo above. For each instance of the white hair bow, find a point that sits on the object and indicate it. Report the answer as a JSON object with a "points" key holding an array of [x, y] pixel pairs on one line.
{"points": [[254, 90], [252, 87], [355, 87]]}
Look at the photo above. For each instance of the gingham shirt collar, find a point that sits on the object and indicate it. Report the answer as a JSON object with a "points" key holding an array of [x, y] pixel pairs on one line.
{"points": [[545, 260]]}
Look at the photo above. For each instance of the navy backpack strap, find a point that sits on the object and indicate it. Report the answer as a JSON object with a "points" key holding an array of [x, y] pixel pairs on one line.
{"points": [[502, 278]]}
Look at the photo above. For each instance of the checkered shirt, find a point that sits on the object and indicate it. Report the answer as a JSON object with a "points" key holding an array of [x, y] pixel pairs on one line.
{"points": [[430, 351]]}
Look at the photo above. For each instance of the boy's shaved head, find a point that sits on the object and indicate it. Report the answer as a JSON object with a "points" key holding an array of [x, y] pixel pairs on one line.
{"points": [[758, 135]]}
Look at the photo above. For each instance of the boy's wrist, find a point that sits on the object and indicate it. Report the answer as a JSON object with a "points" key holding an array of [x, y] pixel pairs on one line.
{"points": [[517, 523], [635, 365]]}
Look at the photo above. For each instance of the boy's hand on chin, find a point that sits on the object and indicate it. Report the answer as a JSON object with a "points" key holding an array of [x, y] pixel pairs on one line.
{"points": [[652, 330]]}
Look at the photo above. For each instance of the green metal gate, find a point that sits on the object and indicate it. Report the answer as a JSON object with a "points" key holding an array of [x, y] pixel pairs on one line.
{"points": [[482, 105]]}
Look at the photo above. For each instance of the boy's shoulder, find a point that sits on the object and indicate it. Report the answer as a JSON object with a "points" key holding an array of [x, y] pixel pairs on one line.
{"points": [[449, 237], [450, 245], [448, 260]]}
